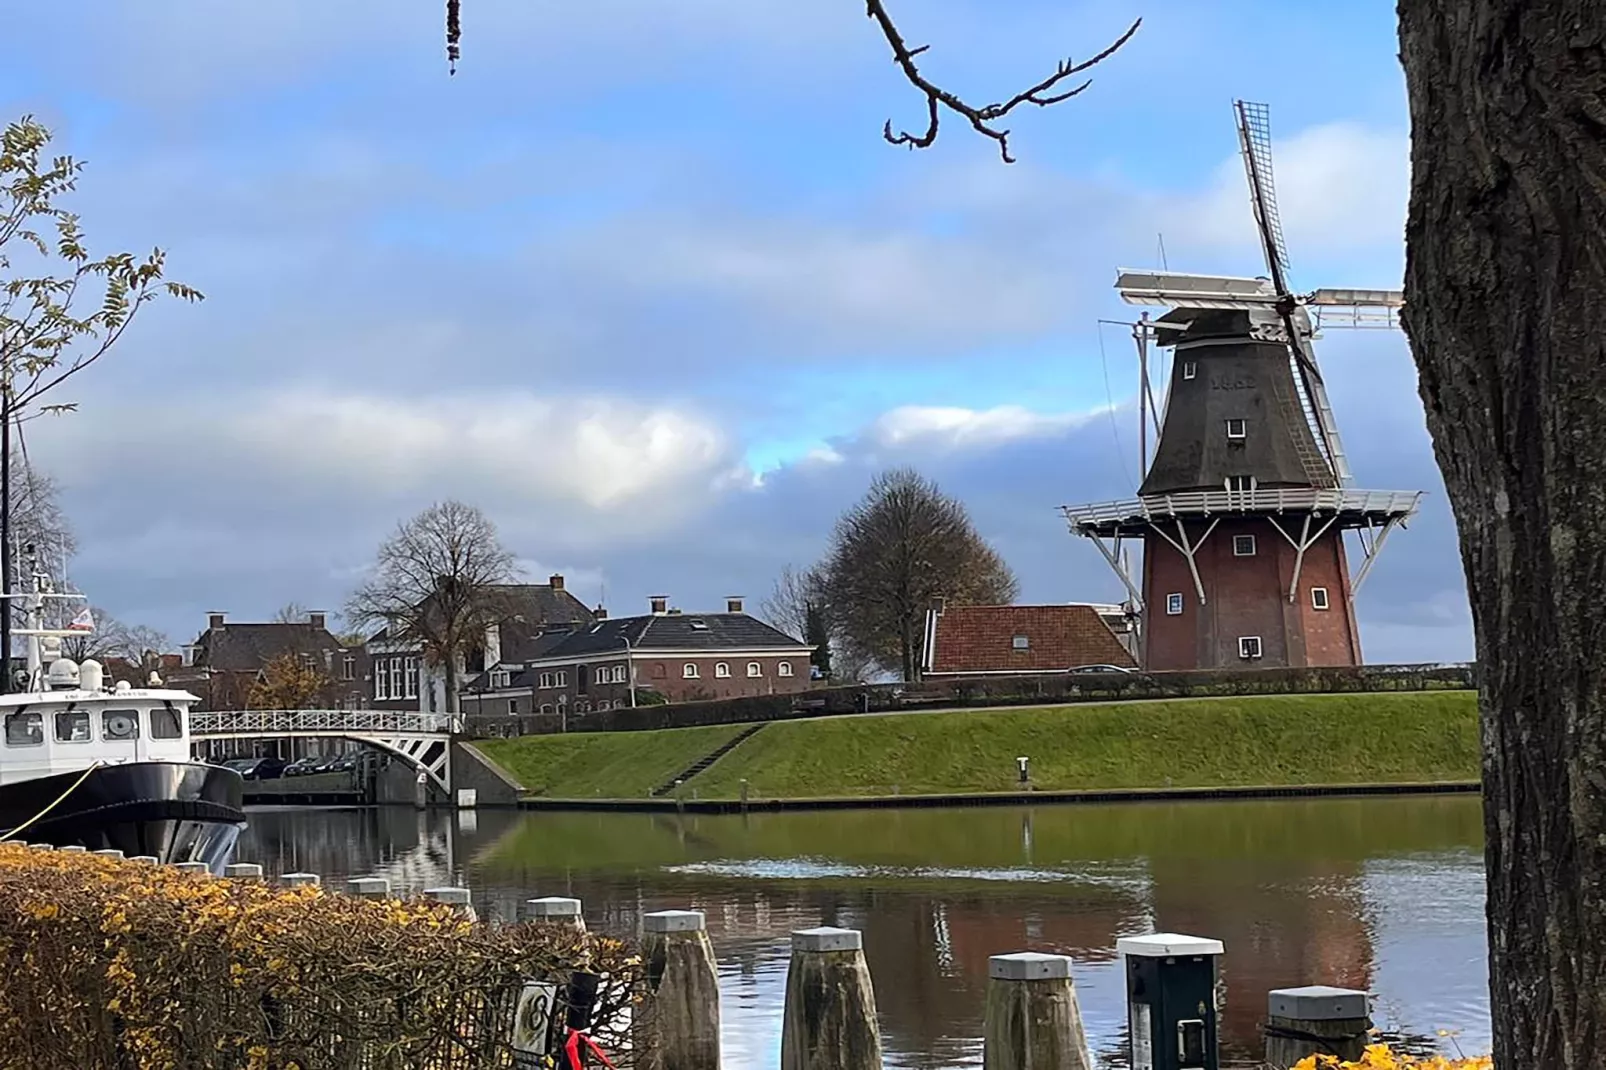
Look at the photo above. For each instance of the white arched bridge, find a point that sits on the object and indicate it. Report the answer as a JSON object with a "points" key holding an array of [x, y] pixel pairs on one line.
{"points": [[422, 740]]}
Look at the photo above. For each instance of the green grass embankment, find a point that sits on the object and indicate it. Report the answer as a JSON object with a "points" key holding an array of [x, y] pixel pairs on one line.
{"points": [[1395, 737], [608, 765]]}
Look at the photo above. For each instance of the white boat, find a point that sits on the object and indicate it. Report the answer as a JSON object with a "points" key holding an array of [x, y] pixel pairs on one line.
{"points": [[96, 765]]}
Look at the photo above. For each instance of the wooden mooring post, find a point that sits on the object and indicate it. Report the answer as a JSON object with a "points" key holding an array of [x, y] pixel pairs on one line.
{"points": [[555, 910], [1033, 1021], [1316, 1020], [829, 1022], [678, 1026]]}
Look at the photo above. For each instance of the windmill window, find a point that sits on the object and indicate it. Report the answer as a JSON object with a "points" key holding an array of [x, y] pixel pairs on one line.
{"points": [[1190, 369], [1237, 430], [1249, 647], [1243, 546], [1021, 642], [1318, 598], [1240, 484], [1173, 604]]}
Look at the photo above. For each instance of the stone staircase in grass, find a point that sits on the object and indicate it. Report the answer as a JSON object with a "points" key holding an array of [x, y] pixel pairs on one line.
{"points": [[705, 761]]}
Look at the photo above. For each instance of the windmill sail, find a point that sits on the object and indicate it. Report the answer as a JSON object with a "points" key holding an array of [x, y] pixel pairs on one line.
{"points": [[1254, 137]]}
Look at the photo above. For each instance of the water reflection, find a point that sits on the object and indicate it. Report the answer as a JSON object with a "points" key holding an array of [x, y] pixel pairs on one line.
{"points": [[1381, 894]]}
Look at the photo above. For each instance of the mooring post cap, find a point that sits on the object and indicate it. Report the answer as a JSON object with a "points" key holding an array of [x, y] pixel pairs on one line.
{"points": [[150, 859], [110, 852], [553, 906], [244, 871], [373, 887], [827, 938], [1318, 1003], [76, 849], [42, 846], [1167, 945], [457, 897], [674, 921], [192, 867], [1029, 966], [295, 880]]}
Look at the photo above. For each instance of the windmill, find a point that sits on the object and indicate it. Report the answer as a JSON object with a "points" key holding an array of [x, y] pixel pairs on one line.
{"points": [[1246, 445]]}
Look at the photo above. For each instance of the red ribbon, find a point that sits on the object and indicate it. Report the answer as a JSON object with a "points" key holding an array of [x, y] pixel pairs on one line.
{"points": [[572, 1049]]}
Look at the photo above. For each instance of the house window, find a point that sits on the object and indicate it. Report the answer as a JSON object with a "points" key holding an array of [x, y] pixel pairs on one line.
{"points": [[754, 669], [618, 674], [411, 670], [1189, 369], [603, 674], [604, 705], [381, 681], [1237, 430], [1173, 604], [512, 706], [396, 678], [1243, 546], [722, 671], [1249, 647], [784, 669], [501, 678], [546, 707], [689, 670], [561, 678], [1240, 484], [1021, 642], [348, 667], [1318, 598]]}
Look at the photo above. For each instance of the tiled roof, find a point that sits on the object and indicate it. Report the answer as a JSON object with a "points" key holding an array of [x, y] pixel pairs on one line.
{"points": [[248, 647], [982, 639], [677, 631]]}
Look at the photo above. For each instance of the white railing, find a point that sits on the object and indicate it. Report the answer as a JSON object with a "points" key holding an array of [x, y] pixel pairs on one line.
{"points": [[1396, 503], [344, 722]]}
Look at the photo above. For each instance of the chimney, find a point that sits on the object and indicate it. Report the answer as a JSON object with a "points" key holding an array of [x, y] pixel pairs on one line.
{"points": [[659, 603], [733, 604], [214, 621], [317, 618], [939, 604], [601, 613], [556, 581]]}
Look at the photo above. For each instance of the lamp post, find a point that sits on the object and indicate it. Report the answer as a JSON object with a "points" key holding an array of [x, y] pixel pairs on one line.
{"points": [[630, 670]]}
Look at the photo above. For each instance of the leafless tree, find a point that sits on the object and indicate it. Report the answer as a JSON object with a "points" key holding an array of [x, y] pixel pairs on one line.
{"points": [[902, 546], [434, 584], [113, 638], [795, 594], [290, 613]]}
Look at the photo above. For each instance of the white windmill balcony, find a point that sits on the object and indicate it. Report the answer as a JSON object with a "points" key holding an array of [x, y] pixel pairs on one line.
{"points": [[1353, 508]]}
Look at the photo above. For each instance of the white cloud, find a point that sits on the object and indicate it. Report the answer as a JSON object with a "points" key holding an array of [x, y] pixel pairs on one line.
{"points": [[950, 427]]}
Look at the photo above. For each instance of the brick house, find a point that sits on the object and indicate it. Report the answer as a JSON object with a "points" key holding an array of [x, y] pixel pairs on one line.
{"points": [[1022, 640], [532, 616], [684, 657], [227, 658]]}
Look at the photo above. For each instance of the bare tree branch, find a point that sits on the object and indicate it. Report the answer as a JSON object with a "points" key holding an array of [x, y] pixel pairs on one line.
{"points": [[983, 120]]}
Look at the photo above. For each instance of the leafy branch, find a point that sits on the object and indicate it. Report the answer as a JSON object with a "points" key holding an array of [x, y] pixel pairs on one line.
{"points": [[984, 119]]}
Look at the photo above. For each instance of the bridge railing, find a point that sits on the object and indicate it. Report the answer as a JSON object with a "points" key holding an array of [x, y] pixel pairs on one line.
{"points": [[275, 722]]}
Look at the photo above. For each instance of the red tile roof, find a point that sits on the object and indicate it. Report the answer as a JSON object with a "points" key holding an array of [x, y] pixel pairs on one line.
{"points": [[975, 639]]}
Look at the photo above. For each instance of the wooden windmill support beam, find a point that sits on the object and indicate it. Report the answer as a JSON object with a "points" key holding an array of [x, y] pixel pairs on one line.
{"points": [[1371, 556], [1305, 541], [1114, 558], [1188, 551]]}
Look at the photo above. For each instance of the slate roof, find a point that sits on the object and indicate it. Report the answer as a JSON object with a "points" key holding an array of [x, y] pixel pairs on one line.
{"points": [[528, 611], [248, 647], [976, 639]]}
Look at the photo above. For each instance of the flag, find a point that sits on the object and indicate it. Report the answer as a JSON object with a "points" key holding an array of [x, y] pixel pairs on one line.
{"points": [[84, 622]]}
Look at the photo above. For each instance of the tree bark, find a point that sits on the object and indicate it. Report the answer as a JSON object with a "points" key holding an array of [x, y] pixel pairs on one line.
{"points": [[1506, 309]]}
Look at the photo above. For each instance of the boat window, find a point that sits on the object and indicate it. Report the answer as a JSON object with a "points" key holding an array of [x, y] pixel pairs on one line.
{"points": [[72, 726], [165, 723], [119, 724], [25, 729]]}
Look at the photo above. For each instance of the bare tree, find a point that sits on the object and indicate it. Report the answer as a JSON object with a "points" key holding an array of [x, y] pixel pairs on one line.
{"points": [[112, 638], [434, 584], [290, 613], [902, 546], [797, 606]]}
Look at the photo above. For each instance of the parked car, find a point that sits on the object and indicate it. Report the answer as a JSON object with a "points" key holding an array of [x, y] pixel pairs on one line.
{"points": [[1100, 668], [303, 766], [263, 768]]}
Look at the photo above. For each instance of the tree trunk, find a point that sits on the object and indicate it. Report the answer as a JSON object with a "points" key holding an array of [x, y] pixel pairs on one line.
{"points": [[1506, 309]]}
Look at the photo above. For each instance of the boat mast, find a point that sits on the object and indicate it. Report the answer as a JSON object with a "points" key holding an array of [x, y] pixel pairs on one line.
{"points": [[6, 563]]}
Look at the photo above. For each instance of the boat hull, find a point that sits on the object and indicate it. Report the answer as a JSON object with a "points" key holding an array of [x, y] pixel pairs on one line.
{"points": [[174, 811]]}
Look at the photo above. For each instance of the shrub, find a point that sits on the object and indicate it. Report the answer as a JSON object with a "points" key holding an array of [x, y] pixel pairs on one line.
{"points": [[1379, 1057], [115, 964]]}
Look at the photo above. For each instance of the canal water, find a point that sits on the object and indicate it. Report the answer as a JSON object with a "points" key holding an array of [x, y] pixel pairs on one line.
{"points": [[1383, 894]]}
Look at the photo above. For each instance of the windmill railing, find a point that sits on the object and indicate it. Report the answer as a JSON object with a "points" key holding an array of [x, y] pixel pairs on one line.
{"points": [[360, 722], [1381, 504]]}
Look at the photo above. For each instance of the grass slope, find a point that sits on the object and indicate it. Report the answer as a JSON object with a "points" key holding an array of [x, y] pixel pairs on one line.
{"points": [[608, 765], [1261, 740]]}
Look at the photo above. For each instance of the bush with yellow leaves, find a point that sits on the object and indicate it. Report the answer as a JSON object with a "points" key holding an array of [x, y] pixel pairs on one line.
{"points": [[117, 964], [1380, 1057]]}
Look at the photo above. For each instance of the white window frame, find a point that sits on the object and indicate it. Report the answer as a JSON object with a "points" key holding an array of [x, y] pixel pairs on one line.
{"points": [[1240, 484], [348, 667], [512, 707], [1190, 368], [381, 681], [1173, 604], [546, 680], [1244, 649], [396, 678], [410, 677], [1021, 642], [1237, 429], [689, 671], [783, 668], [722, 671], [1319, 599], [604, 674], [561, 678], [618, 674], [1236, 543], [754, 670], [501, 678]]}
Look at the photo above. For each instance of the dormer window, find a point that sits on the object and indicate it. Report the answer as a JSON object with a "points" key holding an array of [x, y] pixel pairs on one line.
{"points": [[1237, 430], [501, 678]]}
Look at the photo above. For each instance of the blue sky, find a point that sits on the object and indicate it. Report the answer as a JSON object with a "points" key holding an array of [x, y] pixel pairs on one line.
{"points": [[644, 282]]}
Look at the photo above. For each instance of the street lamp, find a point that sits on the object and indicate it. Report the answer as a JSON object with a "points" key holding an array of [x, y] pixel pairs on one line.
{"points": [[630, 670]]}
